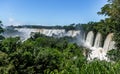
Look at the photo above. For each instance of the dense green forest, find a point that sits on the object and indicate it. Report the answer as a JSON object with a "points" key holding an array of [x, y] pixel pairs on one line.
{"points": [[48, 55]]}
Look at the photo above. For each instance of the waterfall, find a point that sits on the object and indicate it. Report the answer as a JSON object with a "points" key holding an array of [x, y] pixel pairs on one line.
{"points": [[108, 42], [89, 39], [98, 40], [97, 51], [25, 33], [51, 32], [112, 45], [79, 37], [73, 33]]}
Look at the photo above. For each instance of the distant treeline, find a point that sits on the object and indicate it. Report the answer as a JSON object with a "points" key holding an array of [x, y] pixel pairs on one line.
{"points": [[84, 27], [66, 27], [104, 27]]}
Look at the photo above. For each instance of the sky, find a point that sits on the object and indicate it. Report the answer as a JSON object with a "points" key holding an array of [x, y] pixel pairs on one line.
{"points": [[50, 12]]}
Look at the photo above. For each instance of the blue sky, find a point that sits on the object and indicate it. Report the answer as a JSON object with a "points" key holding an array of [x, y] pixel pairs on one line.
{"points": [[50, 12]]}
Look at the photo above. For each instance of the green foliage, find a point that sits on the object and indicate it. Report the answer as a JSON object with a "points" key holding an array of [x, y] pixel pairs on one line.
{"points": [[112, 10], [38, 56], [1, 29], [10, 44], [114, 55], [100, 67], [69, 27], [89, 26], [105, 26]]}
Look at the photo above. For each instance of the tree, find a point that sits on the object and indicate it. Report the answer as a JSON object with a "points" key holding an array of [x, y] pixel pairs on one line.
{"points": [[0, 23], [1, 30], [112, 10], [9, 45]]}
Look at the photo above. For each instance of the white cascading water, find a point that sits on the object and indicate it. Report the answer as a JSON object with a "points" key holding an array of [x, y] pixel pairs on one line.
{"points": [[98, 51], [89, 39], [25, 33], [112, 45], [98, 40], [72, 33], [108, 41]]}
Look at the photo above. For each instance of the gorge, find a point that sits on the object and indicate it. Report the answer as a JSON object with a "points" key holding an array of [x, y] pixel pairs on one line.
{"points": [[89, 40]]}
